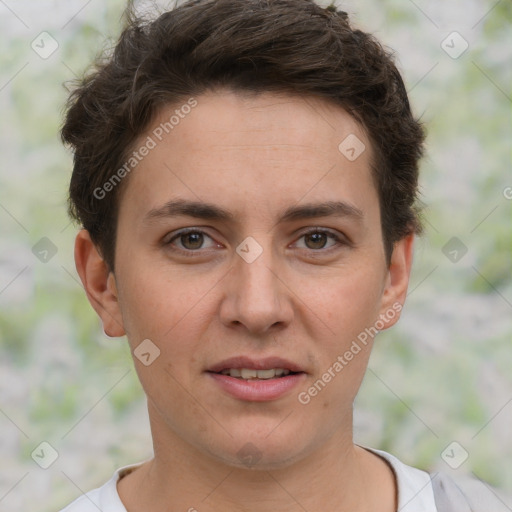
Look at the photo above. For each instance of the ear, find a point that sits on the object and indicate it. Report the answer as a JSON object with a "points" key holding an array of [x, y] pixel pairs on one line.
{"points": [[99, 284], [397, 281]]}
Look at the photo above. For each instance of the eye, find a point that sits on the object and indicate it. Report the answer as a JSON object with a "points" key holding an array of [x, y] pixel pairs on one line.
{"points": [[316, 239], [190, 240], [193, 240]]}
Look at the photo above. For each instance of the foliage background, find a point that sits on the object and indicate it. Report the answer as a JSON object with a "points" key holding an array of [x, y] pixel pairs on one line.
{"points": [[442, 375]]}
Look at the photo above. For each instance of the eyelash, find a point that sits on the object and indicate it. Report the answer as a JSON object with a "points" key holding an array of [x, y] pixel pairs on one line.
{"points": [[193, 253]]}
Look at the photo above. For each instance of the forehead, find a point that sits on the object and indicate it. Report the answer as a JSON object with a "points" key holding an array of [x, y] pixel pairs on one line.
{"points": [[268, 148], [297, 121]]}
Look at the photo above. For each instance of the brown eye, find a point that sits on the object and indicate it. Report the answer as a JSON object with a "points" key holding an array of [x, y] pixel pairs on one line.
{"points": [[190, 241], [315, 240], [319, 240], [193, 240]]}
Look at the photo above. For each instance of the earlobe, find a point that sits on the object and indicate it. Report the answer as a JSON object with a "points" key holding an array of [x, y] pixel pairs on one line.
{"points": [[397, 282], [99, 284]]}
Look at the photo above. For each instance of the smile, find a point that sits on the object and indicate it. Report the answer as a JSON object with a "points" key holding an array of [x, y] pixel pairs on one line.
{"points": [[251, 374]]}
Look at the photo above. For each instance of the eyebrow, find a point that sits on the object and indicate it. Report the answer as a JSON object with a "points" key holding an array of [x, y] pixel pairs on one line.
{"points": [[208, 211]]}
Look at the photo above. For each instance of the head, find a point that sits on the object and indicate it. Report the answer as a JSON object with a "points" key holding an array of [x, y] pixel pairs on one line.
{"points": [[253, 46], [261, 121]]}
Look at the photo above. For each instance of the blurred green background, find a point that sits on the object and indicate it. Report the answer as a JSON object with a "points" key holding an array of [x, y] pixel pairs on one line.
{"points": [[443, 374]]}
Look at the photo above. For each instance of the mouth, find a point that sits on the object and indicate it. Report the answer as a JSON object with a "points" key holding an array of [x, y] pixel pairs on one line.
{"points": [[257, 380], [252, 374], [249, 368]]}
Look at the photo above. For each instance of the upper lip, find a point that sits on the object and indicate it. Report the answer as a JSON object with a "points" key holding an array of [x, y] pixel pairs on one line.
{"points": [[266, 363]]}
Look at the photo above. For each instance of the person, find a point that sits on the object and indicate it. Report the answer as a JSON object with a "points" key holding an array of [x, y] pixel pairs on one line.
{"points": [[245, 176]]}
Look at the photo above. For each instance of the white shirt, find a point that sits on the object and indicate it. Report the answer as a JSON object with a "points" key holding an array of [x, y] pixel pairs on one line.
{"points": [[415, 493]]}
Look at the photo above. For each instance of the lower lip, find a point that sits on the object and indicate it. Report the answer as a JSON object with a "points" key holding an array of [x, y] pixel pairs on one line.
{"points": [[257, 390]]}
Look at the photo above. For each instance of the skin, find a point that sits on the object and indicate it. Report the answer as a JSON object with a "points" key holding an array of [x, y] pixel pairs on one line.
{"points": [[305, 298]]}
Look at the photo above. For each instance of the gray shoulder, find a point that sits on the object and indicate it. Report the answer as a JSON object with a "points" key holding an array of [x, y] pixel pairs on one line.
{"points": [[467, 495]]}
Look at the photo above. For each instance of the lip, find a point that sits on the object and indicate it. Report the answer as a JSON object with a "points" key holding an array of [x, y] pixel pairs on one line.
{"points": [[256, 390], [266, 363]]}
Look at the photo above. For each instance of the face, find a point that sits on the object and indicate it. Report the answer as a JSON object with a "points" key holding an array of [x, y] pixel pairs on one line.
{"points": [[247, 243]]}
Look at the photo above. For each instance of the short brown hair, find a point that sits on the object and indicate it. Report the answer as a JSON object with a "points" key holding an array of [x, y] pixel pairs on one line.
{"points": [[292, 46]]}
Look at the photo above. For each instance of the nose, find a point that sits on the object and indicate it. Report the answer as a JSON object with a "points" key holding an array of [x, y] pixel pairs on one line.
{"points": [[256, 296]]}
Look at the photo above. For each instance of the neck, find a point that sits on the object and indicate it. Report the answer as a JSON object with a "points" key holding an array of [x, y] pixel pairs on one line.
{"points": [[335, 476]]}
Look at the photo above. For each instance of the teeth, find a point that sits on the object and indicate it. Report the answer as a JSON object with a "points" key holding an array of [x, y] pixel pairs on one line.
{"points": [[265, 374], [247, 374]]}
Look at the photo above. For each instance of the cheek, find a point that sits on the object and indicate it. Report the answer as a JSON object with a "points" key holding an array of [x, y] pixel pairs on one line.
{"points": [[172, 317], [349, 306], [350, 302], [158, 304], [173, 314]]}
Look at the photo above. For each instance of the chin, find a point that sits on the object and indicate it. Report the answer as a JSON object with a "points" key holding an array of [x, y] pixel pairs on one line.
{"points": [[253, 452], [251, 458]]}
